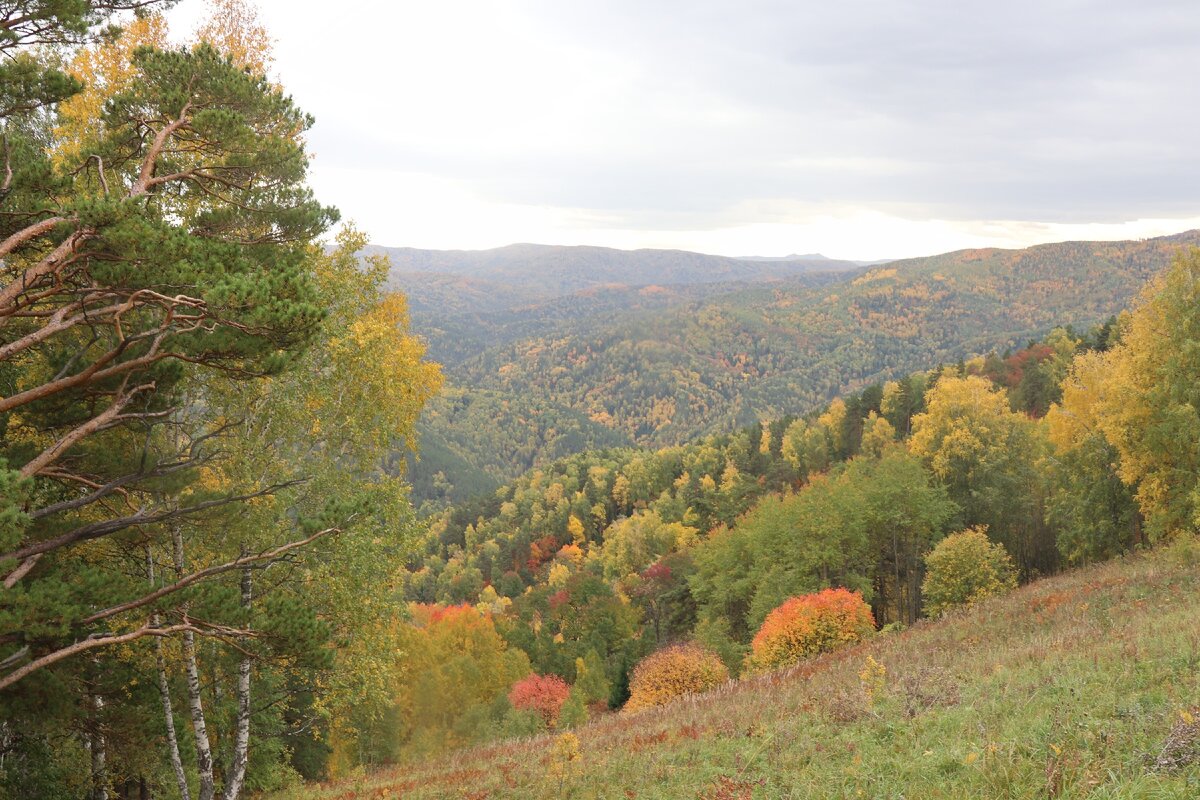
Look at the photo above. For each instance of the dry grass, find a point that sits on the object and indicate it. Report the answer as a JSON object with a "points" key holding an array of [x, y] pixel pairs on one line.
{"points": [[1075, 686]]}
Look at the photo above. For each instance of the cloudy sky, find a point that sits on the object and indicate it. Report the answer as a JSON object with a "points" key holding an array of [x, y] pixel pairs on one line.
{"points": [[859, 129]]}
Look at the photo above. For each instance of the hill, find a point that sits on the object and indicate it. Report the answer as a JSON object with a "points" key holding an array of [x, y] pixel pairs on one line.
{"points": [[1085, 684], [545, 271], [664, 364]]}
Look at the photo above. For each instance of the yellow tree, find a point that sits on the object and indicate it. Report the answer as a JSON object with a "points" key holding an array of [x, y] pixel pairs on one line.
{"points": [[1150, 408], [878, 435], [1092, 509], [234, 28], [986, 456], [105, 69]]}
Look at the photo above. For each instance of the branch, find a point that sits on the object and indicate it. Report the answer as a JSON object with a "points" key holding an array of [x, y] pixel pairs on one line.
{"points": [[29, 554], [183, 583], [156, 147], [105, 419], [100, 171], [105, 639], [29, 232], [97, 371]]}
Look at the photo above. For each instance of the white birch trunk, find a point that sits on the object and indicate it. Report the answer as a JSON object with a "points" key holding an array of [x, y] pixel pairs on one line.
{"points": [[164, 691], [236, 776], [204, 763], [99, 752]]}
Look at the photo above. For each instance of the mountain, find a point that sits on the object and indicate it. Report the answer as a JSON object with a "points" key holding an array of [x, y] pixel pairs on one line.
{"points": [[814, 258], [658, 363], [578, 266]]}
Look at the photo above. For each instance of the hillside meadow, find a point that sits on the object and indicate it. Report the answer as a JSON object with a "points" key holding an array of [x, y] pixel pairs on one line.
{"points": [[1086, 684]]}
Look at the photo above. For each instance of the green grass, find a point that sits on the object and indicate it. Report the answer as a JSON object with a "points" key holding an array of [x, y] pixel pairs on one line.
{"points": [[1066, 688]]}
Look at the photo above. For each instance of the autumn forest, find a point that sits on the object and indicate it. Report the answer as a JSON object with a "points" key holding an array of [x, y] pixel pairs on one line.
{"points": [[288, 514]]}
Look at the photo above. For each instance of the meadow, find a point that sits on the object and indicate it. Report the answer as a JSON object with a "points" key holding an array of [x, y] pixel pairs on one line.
{"points": [[1085, 684]]}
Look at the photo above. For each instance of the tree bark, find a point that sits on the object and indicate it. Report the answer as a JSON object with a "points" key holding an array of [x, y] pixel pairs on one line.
{"points": [[236, 776], [164, 691], [195, 702], [99, 751]]}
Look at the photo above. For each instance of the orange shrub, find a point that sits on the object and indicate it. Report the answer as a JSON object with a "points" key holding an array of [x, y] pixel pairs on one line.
{"points": [[808, 625], [543, 694], [673, 672]]}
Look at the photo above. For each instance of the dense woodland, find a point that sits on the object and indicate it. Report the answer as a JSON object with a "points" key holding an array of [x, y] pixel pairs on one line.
{"points": [[214, 579], [664, 367]]}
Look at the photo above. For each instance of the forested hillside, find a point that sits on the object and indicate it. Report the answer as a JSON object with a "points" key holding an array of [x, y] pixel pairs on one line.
{"points": [[526, 273], [689, 525], [663, 365], [625, 577]]}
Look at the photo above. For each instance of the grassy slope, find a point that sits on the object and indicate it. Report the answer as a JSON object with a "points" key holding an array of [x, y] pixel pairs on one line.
{"points": [[1067, 688]]}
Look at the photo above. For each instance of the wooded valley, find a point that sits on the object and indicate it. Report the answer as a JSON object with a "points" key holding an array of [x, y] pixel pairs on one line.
{"points": [[286, 513]]}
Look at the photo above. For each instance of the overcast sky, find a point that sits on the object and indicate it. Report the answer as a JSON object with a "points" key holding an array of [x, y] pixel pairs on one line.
{"points": [[859, 129]]}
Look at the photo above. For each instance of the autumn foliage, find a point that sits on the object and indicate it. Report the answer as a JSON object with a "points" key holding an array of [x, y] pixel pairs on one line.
{"points": [[964, 568], [673, 672], [808, 625], [542, 694]]}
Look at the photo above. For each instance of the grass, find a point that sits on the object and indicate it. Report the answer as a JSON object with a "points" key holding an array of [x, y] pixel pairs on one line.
{"points": [[1086, 684]]}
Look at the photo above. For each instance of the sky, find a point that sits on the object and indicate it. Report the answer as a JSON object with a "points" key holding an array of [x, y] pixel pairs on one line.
{"points": [[861, 129]]}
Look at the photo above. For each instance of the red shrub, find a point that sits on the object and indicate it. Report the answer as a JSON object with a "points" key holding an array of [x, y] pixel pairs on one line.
{"points": [[543, 694]]}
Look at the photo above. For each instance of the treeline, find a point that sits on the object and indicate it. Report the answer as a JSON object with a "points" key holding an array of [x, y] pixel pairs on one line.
{"points": [[1059, 452]]}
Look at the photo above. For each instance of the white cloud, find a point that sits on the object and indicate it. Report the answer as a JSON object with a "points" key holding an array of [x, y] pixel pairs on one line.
{"points": [[865, 129]]}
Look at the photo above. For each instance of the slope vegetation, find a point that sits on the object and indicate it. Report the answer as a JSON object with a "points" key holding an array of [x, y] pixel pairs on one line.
{"points": [[1082, 685], [663, 364]]}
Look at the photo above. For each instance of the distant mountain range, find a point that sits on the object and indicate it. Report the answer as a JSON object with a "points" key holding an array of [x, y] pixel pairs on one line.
{"points": [[814, 258], [552, 350], [506, 277]]}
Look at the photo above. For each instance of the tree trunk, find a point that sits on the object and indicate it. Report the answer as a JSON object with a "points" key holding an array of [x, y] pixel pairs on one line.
{"points": [[98, 749], [204, 764], [164, 692], [241, 745]]}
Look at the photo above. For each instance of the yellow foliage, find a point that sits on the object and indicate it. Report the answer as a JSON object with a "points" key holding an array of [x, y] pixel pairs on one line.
{"points": [[966, 418], [1148, 409], [233, 27], [105, 70], [832, 421], [1078, 415], [873, 678], [560, 573], [877, 436], [575, 528], [564, 756], [672, 672], [965, 568]]}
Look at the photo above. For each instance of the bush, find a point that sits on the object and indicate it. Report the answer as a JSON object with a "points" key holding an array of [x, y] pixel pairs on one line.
{"points": [[674, 672], [574, 712], [542, 694], [965, 568], [809, 625]]}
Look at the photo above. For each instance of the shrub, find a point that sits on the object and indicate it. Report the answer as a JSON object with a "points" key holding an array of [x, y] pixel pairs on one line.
{"points": [[808, 625], [574, 711], [965, 568], [673, 672], [541, 694]]}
